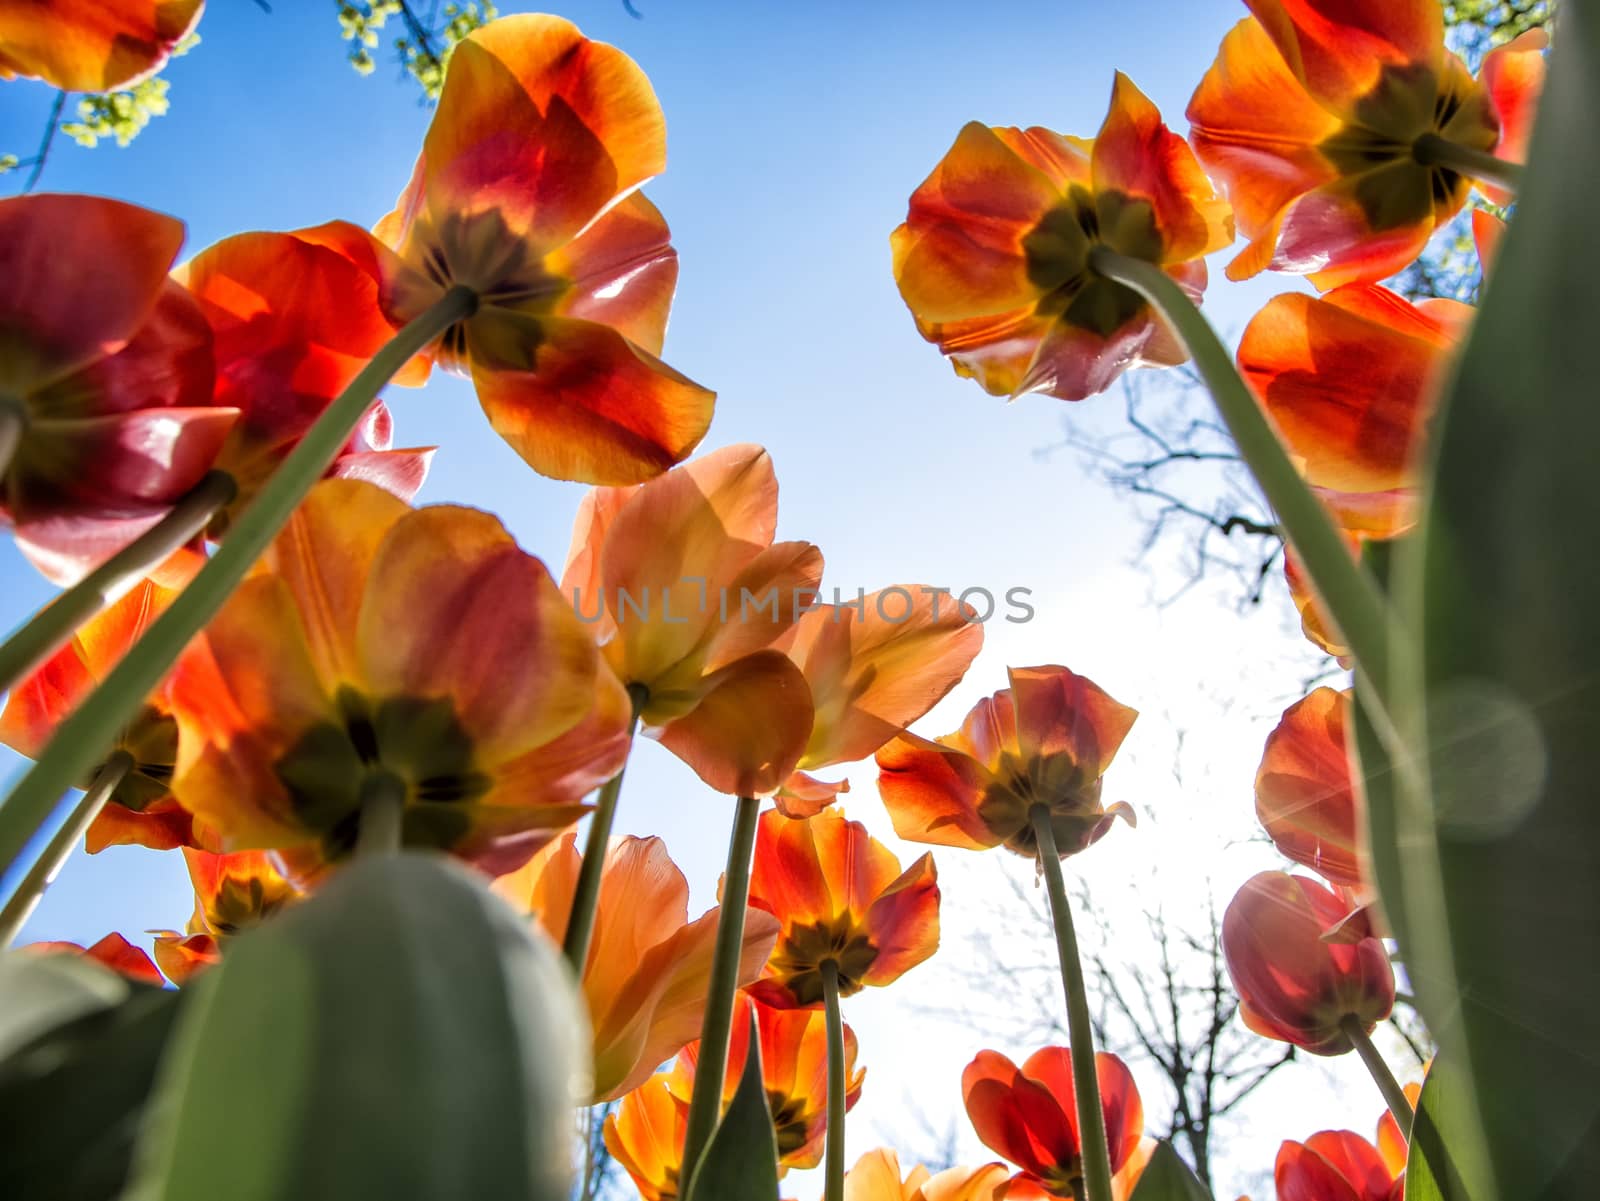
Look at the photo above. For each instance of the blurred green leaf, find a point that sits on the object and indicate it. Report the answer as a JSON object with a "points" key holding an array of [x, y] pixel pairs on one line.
{"points": [[1498, 827], [741, 1161], [43, 991], [403, 1034], [1167, 1178], [1445, 1162], [71, 1100]]}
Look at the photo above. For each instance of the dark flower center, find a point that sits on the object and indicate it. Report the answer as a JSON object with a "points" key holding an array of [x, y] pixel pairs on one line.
{"points": [[1057, 251]]}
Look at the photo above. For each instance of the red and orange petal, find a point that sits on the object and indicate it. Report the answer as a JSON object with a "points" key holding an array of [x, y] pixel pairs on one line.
{"points": [[876, 1176], [645, 1135], [879, 665], [827, 874], [1349, 380], [79, 275], [1060, 713], [295, 317], [114, 951], [748, 728], [1337, 52], [1394, 1145], [933, 791], [234, 892], [1333, 1165], [542, 126], [1294, 985], [1136, 157], [1514, 75], [1029, 1114], [92, 45], [181, 956], [1304, 796], [578, 401]]}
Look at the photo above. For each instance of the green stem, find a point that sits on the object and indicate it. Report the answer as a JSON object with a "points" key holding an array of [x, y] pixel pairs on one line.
{"points": [[1085, 1076], [93, 727], [705, 1103], [44, 871], [13, 425], [383, 809], [834, 1172], [1395, 1096], [1431, 150], [586, 896], [1347, 591], [35, 642]]}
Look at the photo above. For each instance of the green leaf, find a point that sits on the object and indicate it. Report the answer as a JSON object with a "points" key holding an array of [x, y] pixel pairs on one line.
{"points": [[1498, 826], [403, 1035], [72, 1098], [1167, 1178], [45, 991], [741, 1161], [1445, 1162]]}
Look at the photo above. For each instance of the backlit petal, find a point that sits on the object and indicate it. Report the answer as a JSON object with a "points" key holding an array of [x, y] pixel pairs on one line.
{"points": [[91, 45], [1304, 797], [1338, 48], [748, 729], [933, 793]]}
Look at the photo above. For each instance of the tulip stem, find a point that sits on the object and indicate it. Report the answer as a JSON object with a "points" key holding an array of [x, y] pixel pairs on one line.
{"points": [[1393, 1094], [1346, 589], [1080, 1031], [705, 1103], [83, 738], [1431, 150], [586, 896], [13, 425], [383, 811], [834, 1171], [35, 642], [43, 873]]}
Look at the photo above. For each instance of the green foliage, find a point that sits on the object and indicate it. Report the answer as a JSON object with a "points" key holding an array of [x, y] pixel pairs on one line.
{"points": [[1445, 1162], [741, 1161], [1495, 873], [119, 115], [72, 1098], [1167, 1178], [402, 1034], [425, 48], [9, 162]]}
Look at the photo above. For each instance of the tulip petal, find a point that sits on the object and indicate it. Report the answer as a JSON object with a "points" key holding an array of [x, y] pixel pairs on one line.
{"points": [[1062, 713], [180, 956], [1138, 158], [934, 793], [749, 728], [452, 607], [541, 126], [875, 669], [1339, 48], [578, 401], [903, 923], [1255, 127], [164, 825], [960, 253], [1016, 1117], [91, 45], [623, 272], [1304, 797], [1514, 76]]}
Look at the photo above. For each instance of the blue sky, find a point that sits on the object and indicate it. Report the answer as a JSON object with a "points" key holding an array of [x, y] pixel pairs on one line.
{"points": [[795, 134]]}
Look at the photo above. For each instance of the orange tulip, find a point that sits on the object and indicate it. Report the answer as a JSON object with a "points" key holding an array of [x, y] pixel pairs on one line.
{"points": [[649, 966], [141, 810], [873, 667], [993, 259], [107, 364], [682, 585], [876, 1177], [1294, 985], [839, 894], [794, 1069], [1351, 380], [417, 651], [1029, 1114], [1335, 1165], [1316, 116], [645, 1135], [1048, 739], [526, 192], [91, 45], [231, 894], [1304, 796], [293, 322], [114, 951]]}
